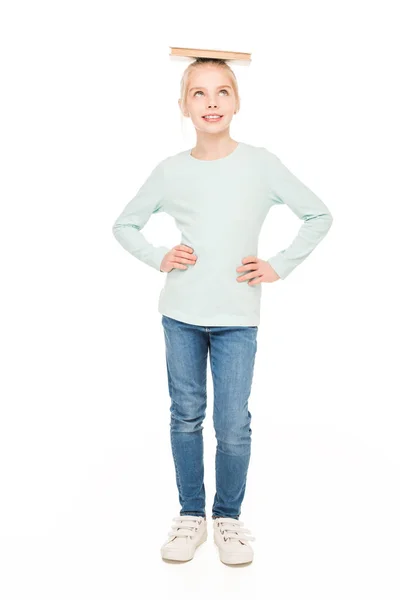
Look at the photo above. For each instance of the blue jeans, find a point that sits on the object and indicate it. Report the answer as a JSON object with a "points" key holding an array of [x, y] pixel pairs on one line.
{"points": [[232, 356]]}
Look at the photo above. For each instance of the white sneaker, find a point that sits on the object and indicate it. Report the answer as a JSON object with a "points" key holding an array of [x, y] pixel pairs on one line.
{"points": [[184, 537], [232, 541]]}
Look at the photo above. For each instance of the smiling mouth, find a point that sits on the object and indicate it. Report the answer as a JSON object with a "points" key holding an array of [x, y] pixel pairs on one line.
{"points": [[212, 118]]}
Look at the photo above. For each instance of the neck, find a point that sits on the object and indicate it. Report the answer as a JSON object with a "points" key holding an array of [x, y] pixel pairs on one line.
{"points": [[209, 147]]}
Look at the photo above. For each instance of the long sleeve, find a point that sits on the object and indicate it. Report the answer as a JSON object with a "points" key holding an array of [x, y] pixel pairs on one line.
{"points": [[126, 229], [287, 189]]}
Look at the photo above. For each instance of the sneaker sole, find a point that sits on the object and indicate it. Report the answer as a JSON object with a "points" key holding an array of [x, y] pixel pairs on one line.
{"points": [[179, 554], [234, 559]]}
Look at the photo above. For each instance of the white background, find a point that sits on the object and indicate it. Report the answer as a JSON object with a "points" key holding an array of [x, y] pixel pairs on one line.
{"points": [[89, 106]]}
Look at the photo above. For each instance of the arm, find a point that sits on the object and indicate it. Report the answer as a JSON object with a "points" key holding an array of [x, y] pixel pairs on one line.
{"points": [[126, 229], [287, 189]]}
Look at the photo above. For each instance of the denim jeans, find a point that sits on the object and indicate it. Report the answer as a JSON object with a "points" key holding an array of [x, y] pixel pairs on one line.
{"points": [[232, 356]]}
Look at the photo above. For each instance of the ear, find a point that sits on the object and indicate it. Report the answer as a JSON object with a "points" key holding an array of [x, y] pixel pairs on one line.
{"points": [[180, 106], [185, 114], [238, 105]]}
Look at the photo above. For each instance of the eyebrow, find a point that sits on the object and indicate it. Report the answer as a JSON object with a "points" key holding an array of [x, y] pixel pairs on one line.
{"points": [[203, 88]]}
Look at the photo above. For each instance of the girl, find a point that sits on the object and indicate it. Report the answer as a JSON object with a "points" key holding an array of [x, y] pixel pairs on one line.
{"points": [[219, 194]]}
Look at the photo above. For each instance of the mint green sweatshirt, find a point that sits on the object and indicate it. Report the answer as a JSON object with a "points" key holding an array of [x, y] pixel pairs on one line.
{"points": [[219, 207]]}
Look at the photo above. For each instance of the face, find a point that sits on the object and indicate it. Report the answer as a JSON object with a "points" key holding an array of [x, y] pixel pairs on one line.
{"points": [[210, 91]]}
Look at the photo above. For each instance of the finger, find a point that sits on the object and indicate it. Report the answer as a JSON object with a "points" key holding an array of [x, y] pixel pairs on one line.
{"points": [[256, 280], [184, 256], [248, 267], [177, 265], [184, 248], [248, 259], [186, 261], [246, 277], [184, 253]]}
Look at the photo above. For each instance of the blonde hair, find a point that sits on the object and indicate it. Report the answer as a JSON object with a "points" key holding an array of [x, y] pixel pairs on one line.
{"points": [[204, 61]]}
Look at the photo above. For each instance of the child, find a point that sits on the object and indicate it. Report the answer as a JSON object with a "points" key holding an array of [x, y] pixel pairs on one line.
{"points": [[219, 194]]}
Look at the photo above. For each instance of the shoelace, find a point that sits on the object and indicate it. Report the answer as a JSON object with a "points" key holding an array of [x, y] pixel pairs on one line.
{"points": [[232, 529], [186, 526]]}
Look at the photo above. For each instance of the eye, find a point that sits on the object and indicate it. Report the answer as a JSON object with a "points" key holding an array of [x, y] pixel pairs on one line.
{"points": [[200, 92]]}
